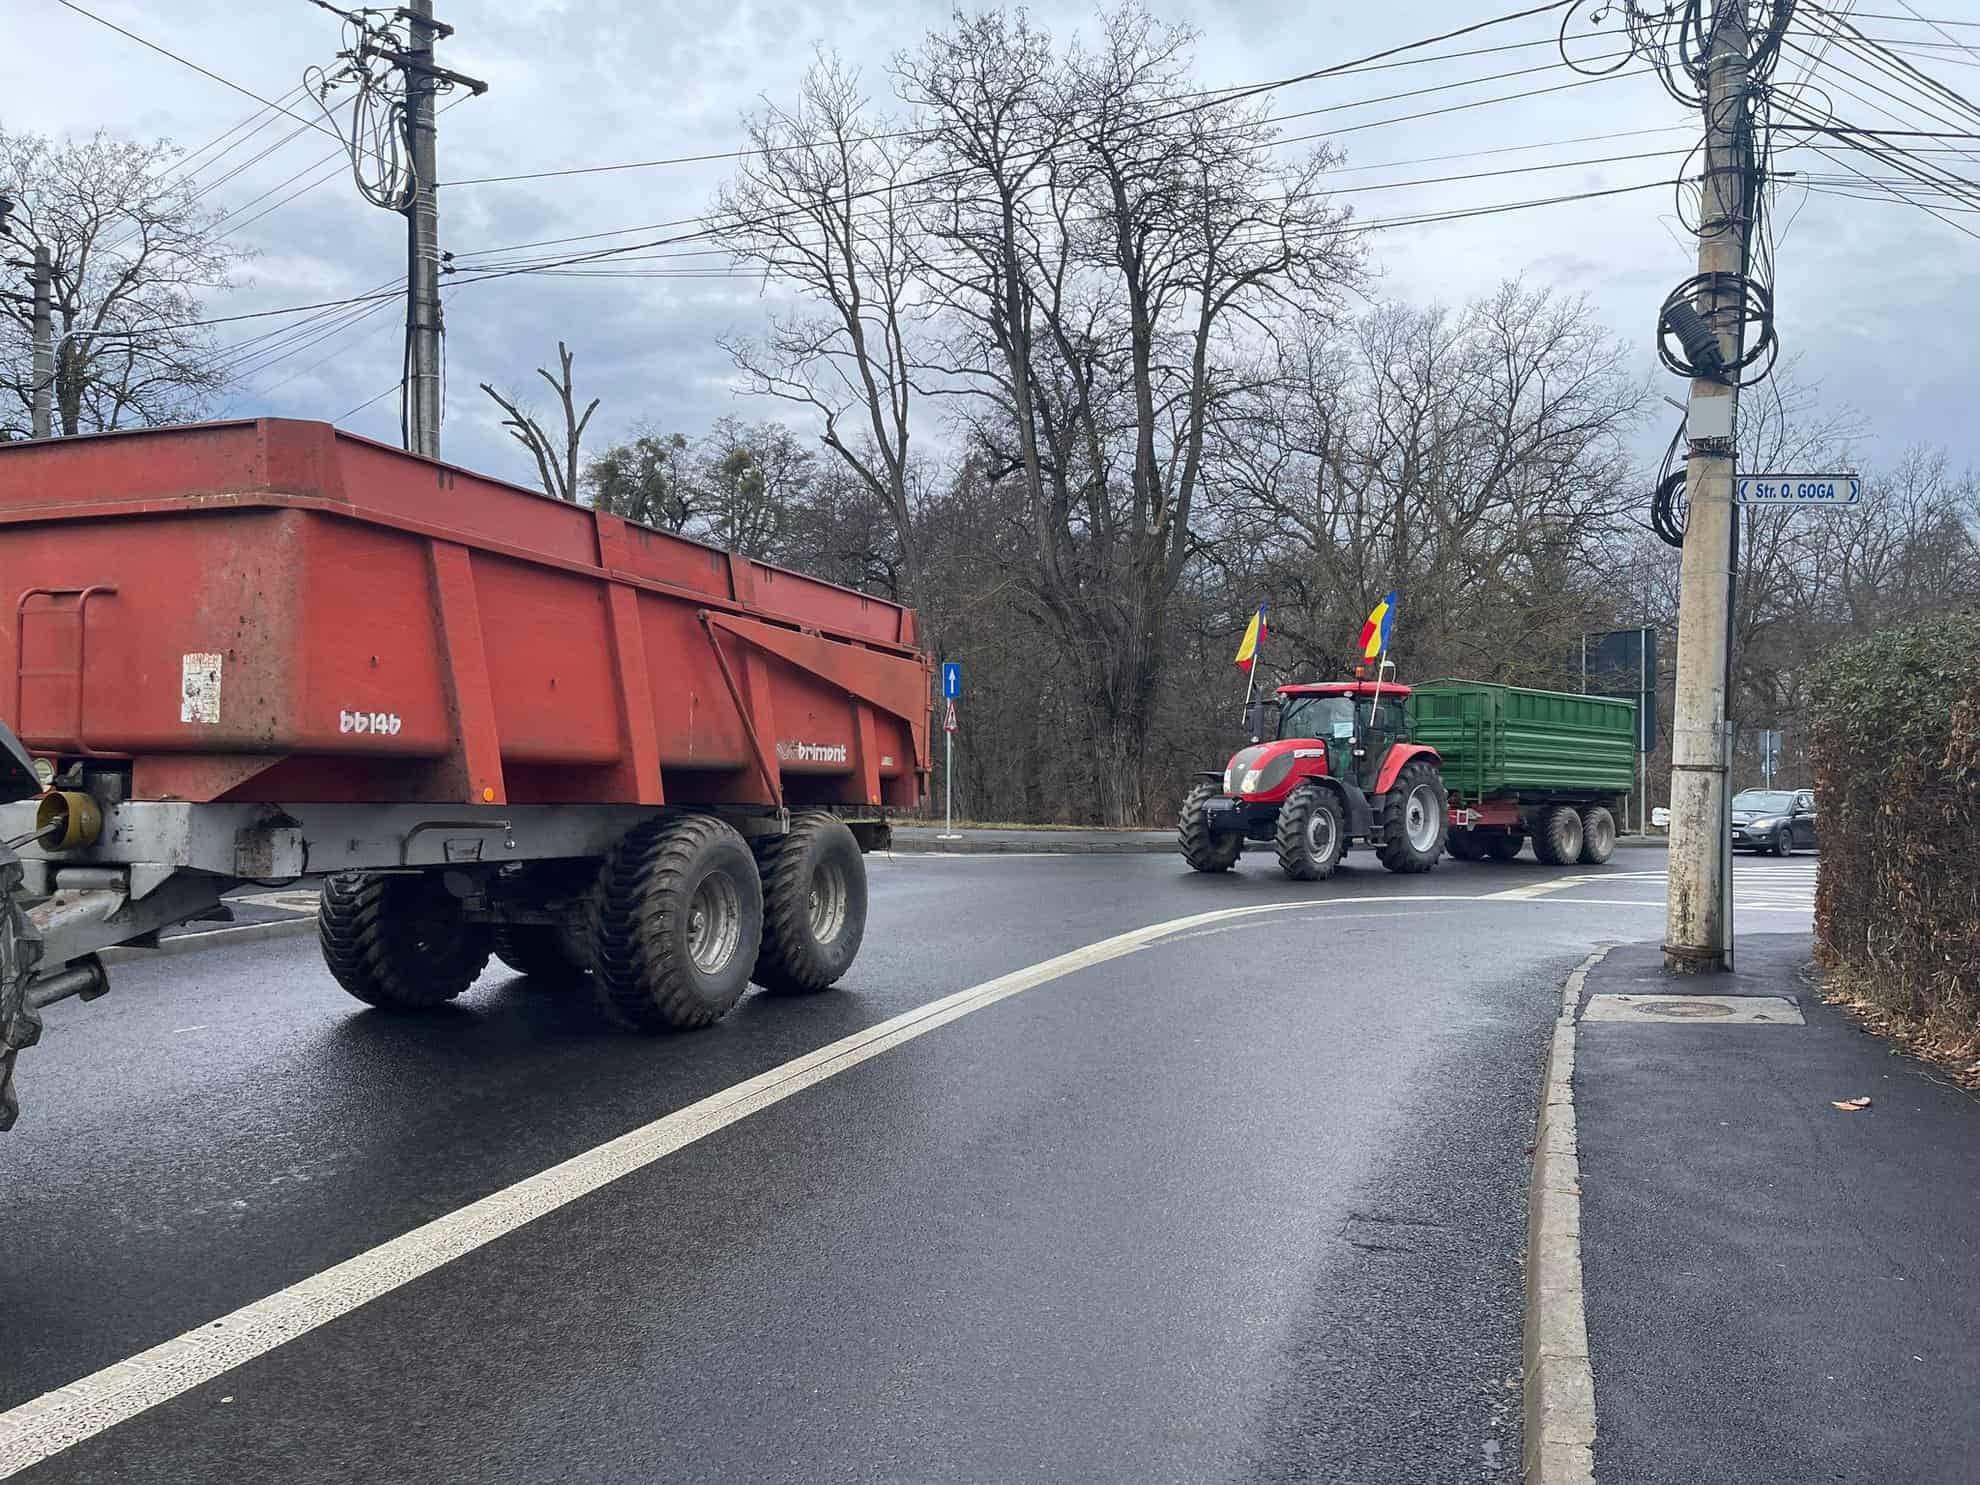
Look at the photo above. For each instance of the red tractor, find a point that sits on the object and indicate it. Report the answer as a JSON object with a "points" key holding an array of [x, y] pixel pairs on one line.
{"points": [[1343, 768]]}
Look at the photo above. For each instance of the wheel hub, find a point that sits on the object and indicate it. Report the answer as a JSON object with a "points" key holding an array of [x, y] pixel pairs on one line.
{"points": [[826, 913], [714, 923], [1420, 817]]}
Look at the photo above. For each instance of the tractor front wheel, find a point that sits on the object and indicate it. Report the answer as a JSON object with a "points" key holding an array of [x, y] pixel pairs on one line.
{"points": [[399, 942], [1465, 844], [1311, 834], [1505, 847], [1558, 840], [1414, 818], [1202, 849]]}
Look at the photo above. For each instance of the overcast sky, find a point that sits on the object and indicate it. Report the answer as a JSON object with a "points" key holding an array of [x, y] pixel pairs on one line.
{"points": [[1876, 299]]}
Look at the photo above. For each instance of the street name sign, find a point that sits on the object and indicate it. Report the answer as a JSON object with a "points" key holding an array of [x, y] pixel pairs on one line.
{"points": [[1800, 489]]}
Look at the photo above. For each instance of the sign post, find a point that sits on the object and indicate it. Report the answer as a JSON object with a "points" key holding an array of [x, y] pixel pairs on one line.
{"points": [[951, 692]]}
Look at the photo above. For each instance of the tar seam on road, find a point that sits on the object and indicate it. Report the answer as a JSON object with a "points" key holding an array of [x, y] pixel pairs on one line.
{"points": [[1560, 1385], [58, 1420]]}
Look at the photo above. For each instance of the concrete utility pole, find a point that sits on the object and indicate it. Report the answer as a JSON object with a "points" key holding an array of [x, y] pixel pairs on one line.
{"points": [[423, 322], [43, 280], [1698, 922]]}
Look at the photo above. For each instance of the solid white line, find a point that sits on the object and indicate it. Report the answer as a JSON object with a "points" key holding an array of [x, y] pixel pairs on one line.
{"points": [[1541, 889], [55, 1421]]}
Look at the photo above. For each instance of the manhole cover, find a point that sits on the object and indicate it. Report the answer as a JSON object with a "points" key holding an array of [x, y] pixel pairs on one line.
{"points": [[1682, 1008]]}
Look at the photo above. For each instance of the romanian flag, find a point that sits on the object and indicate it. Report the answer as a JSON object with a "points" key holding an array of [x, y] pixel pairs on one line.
{"points": [[1375, 633], [1254, 636]]}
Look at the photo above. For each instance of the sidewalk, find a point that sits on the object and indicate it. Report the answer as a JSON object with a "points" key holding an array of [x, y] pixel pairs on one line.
{"points": [[1777, 1291]]}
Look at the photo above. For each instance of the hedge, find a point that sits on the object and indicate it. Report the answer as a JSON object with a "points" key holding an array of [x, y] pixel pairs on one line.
{"points": [[1897, 773]]}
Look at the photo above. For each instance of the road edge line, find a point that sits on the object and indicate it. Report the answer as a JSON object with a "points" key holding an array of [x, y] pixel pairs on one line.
{"points": [[1559, 1433]]}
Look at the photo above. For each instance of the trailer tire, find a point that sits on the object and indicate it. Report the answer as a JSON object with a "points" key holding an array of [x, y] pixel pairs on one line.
{"points": [[1505, 847], [542, 952], [1465, 844], [675, 920], [1201, 848], [399, 942], [1415, 817], [1598, 835], [814, 905], [1558, 840], [1310, 835]]}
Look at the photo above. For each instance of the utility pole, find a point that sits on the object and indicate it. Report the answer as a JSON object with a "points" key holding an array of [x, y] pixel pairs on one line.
{"points": [[1698, 916], [423, 316], [407, 183], [43, 280]]}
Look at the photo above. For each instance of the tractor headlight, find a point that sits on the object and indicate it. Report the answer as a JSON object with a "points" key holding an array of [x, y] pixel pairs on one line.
{"points": [[1269, 775], [1227, 782]]}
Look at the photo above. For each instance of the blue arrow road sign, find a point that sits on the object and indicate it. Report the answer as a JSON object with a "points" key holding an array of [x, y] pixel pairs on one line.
{"points": [[952, 679]]}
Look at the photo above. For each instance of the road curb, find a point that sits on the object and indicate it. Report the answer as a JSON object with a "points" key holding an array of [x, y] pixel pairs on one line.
{"points": [[1559, 1445], [214, 938]]}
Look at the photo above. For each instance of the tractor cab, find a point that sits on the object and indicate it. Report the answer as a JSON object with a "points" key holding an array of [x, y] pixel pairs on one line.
{"points": [[1357, 722]]}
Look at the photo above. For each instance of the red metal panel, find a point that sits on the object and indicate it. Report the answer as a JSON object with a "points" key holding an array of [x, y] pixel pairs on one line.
{"points": [[298, 614]]}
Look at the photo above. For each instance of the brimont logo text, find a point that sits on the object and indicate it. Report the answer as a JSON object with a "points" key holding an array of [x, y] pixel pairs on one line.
{"points": [[804, 752]]}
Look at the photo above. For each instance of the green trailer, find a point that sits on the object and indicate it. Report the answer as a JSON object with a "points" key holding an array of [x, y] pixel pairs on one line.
{"points": [[1551, 767]]}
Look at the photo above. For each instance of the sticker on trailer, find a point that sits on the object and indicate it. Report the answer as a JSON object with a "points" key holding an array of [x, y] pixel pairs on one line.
{"points": [[376, 724], [199, 688]]}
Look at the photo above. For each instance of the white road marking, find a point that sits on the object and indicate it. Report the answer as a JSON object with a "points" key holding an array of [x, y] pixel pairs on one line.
{"points": [[57, 1420], [1541, 889]]}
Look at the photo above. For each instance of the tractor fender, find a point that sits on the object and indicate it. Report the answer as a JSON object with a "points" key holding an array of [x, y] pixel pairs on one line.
{"points": [[1358, 814], [1399, 756]]}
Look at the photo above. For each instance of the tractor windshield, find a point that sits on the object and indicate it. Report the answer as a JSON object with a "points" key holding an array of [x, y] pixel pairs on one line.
{"points": [[1316, 716]]}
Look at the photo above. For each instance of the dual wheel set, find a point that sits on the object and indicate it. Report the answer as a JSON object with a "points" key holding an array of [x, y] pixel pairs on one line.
{"points": [[1563, 835], [683, 916]]}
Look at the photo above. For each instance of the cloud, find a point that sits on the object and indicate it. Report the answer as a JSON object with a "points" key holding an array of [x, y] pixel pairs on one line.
{"points": [[1873, 295]]}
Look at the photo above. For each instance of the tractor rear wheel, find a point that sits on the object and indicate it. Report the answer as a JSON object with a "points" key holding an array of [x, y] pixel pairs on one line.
{"points": [[1558, 840], [1414, 819], [1310, 835], [1465, 844], [541, 951], [1598, 835], [1202, 849], [814, 905], [676, 920], [399, 942], [1505, 847]]}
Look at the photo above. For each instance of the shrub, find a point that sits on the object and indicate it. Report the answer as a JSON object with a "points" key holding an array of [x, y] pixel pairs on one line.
{"points": [[1897, 769]]}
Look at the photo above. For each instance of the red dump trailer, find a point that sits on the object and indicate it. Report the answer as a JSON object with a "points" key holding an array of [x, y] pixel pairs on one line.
{"points": [[500, 724]]}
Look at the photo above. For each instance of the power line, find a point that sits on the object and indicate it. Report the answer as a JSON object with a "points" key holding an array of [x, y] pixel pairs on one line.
{"points": [[186, 62]]}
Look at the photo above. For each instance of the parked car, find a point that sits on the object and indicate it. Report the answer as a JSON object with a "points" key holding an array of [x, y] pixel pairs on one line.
{"points": [[1777, 820]]}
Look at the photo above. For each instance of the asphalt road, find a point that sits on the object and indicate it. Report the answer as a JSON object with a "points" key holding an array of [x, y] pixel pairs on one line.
{"points": [[1245, 1203]]}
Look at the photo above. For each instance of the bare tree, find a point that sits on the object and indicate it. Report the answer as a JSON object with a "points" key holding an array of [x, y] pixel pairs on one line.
{"points": [[1110, 256], [133, 251], [822, 205], [556, 459]]}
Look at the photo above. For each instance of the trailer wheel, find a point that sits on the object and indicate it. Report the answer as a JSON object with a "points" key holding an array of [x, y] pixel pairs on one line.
{"points": [[1505, 847], [814, 905], [1310, 835], [1202, 849], [676, 919], [399, 942], [542, 951], [1598, 835], [1414, 818], [1465, 844], [1558, 840]]}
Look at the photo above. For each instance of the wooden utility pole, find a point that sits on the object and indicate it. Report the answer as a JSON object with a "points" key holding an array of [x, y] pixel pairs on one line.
{"points": [[1698, 921]]}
